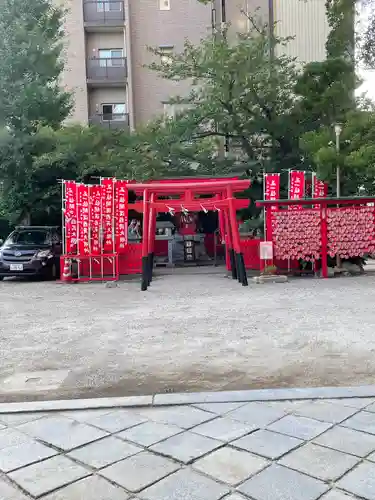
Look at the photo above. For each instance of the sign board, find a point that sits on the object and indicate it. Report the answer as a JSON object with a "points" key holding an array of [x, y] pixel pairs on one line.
{"points": [[266, 250]]}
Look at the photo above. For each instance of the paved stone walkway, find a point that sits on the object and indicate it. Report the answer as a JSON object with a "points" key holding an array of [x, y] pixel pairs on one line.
{"points": [[274, 450]]}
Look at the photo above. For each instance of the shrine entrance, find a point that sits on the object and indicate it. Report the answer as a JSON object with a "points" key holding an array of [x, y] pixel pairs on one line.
{"points": [[100, 243], [184, 200]]}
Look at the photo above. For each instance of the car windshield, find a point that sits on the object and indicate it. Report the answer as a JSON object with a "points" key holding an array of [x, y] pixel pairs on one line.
{"points": [[33, 237]]}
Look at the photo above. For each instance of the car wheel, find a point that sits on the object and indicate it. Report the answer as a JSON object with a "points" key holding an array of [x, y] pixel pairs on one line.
{"points": [[53, 273], [1, 278]]}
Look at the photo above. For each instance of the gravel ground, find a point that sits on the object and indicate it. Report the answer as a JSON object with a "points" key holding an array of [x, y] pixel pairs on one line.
{"points": [[189, 332]]}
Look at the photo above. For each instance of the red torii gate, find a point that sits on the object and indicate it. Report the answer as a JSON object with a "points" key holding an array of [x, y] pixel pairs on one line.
{"points": [[187, 192]]}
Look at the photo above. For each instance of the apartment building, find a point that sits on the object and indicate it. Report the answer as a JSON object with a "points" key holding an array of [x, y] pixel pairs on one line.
{"points": [[107, 48]]}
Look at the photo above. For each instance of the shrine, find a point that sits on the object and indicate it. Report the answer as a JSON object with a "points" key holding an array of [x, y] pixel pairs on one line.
{"points": [[319, 229], [122, 227], [100, 243]]}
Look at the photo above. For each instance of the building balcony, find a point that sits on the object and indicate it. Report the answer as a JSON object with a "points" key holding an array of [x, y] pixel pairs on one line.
{"points": [[106, 14], [111, 120], [106, 72]]}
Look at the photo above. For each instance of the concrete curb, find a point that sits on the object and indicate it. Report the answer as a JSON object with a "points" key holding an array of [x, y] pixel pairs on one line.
{"points": [[159, 400]]}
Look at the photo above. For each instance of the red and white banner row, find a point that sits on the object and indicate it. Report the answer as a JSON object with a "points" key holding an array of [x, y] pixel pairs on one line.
{"points": [[297, 187], [96, 217]]}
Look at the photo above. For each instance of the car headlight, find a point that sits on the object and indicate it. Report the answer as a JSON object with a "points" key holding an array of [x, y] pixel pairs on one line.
{"points": [[43, 254]]}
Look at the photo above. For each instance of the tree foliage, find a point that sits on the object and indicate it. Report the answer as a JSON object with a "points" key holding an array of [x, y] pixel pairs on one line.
{"points": [[239, 92], [31, 62], [357, 153]]}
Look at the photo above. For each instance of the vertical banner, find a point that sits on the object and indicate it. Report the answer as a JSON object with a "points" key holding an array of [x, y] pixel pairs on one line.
{"points": [[83, 218], [296, 187], [70, 217], [108, 201], [96, 219], [272, 188], [320, 188], [271, 192], [121, 215]]}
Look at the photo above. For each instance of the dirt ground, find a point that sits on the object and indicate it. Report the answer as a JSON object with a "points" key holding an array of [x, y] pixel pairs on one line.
{"points": [[187, 333]]}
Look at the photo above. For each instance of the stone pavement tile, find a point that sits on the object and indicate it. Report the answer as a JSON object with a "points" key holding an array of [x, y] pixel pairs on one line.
{"points": [[235, 496], [256, 414], [336, 495], [371, 457], [185, 417], [230, 466], [90, 488], [27, 453], [360, 481], [185, 485], [317, 461], [139, 471], [14, 419], [267, 444], [117, 420], [288, 406], [84, 415], [353, 402], [279, 483], [224, 429], [326, 412], [62, 432], [11, 437], [219, 408], [10, 492], [299, 427], [186, 447], [347, 440], [2, 426], [149, 433], [362, 421], [371, 407], [104, 452], [44, 477]]}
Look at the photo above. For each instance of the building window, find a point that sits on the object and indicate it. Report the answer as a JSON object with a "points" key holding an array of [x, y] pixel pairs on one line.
{"points": [[113, 112], [109, 6], [111, 57], [164, 4], [166, 52]]}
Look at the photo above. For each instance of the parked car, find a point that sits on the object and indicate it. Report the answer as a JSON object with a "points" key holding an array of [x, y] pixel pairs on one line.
{"points": [[31, 251]]}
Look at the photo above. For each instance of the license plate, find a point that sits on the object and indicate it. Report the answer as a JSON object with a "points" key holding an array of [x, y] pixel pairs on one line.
{"points": [[16, 267]]}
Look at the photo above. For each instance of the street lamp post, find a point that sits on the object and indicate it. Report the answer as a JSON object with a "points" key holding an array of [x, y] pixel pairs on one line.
{"points": [[338, 130]]}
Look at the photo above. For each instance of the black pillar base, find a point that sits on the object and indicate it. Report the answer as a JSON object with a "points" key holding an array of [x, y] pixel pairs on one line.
{"points": [[244, 274], [150, 266], [145, 274], [239, 268], [233, 263]]}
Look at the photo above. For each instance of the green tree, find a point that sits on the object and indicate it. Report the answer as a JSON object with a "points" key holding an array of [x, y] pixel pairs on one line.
{"points": [[239, 93], [326, 88], [30, 97], [357, 153], [31, 64]]}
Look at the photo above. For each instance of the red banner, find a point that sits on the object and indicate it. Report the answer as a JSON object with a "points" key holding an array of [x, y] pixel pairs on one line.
{"points": [[96, 219], [296, 187], [272, 188], [83, 219], [121, 215], [70, 216], [320, 189], [108, 214]]}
